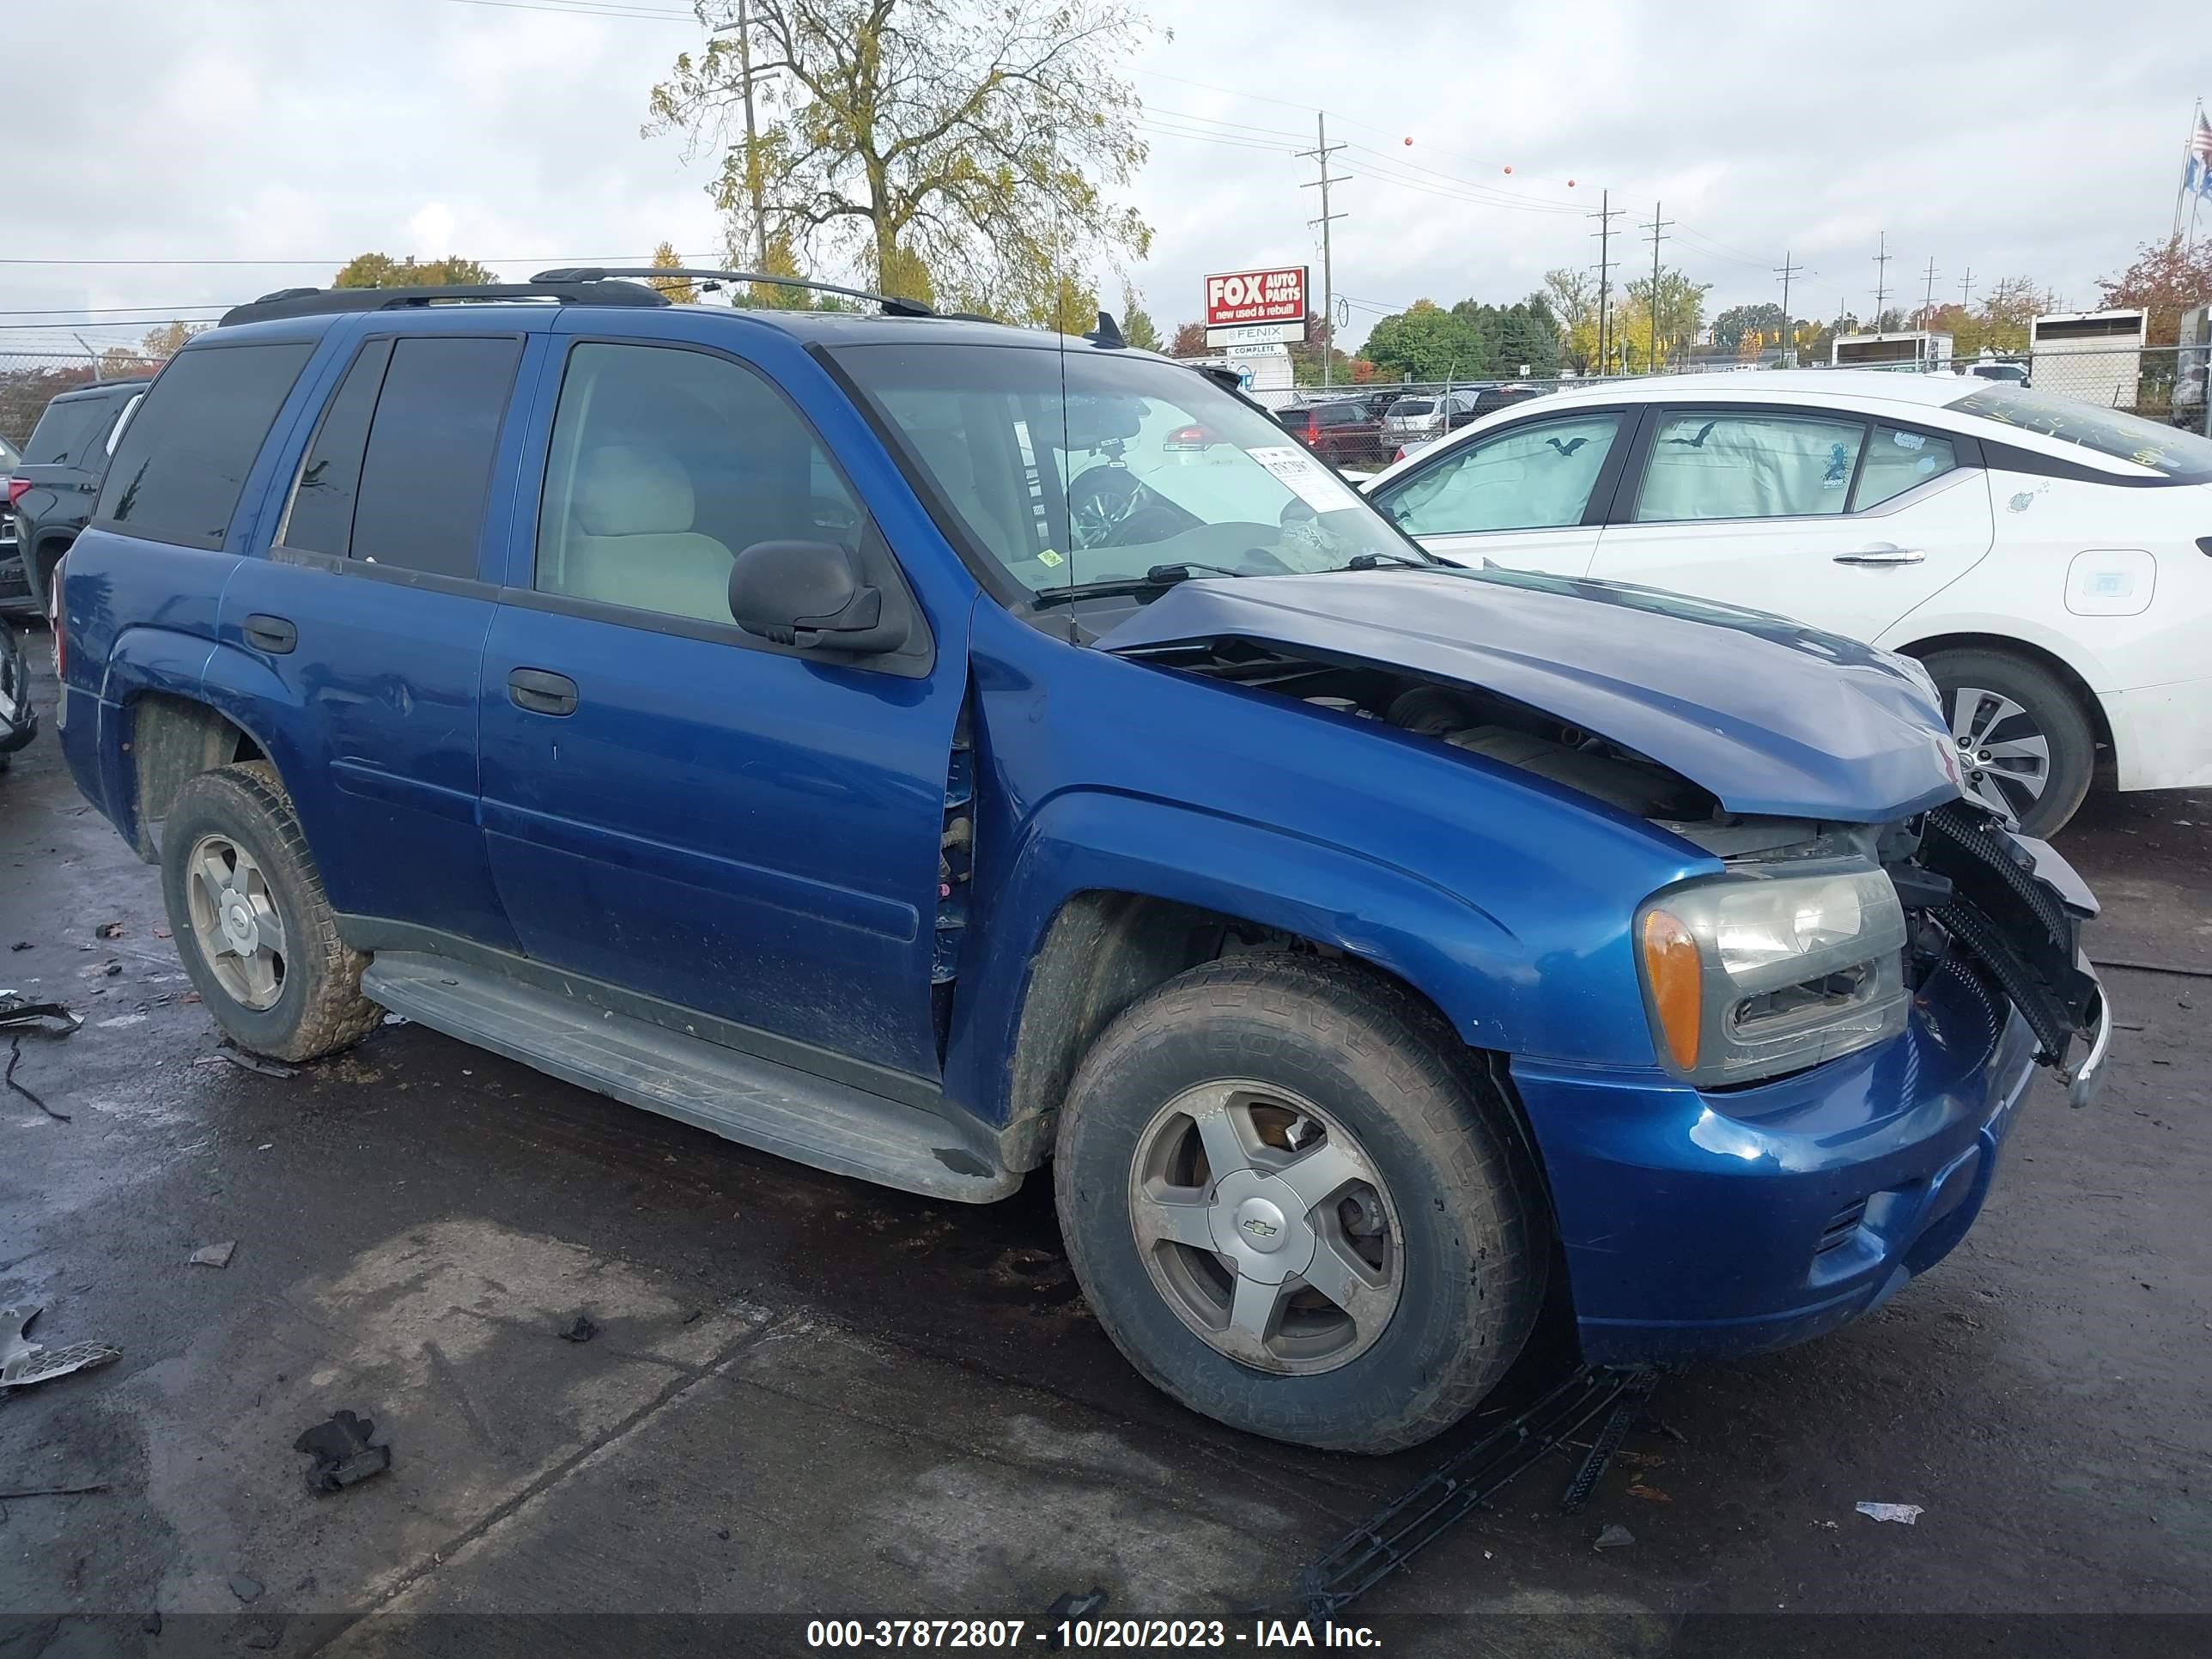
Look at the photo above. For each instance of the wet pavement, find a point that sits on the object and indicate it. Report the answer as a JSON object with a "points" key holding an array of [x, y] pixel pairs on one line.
{"points": [[811, 1397]]}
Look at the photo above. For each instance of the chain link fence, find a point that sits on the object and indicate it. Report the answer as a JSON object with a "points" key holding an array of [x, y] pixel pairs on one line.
{"points": [[29, 380]]}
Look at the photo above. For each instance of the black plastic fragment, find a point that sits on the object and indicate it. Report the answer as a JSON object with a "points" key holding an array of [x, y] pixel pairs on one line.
{"points": [[343, 1455], [1069, 1604]]}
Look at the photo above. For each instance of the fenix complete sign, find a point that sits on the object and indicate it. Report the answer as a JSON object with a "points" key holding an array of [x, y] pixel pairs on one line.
{"points": [[1253, 308]]}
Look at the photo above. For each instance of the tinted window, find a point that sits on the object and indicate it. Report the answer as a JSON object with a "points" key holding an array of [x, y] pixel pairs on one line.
{"points": [[1748, 466], [1410, 406], [665, 464], [320, 519], [185, 456], [2166, 449], [1533, 478], [1341, 415], [115, 432], [1898, 461], [67, 431], [428, 466]]}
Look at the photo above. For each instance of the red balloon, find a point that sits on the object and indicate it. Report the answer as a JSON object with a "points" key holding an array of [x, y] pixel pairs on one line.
{"points": [[1409, 141], [1571, 184], [1509, 169]]}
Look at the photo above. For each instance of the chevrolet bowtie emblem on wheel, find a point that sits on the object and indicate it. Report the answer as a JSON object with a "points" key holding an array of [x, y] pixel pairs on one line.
{"points": [[1260, 1229]]}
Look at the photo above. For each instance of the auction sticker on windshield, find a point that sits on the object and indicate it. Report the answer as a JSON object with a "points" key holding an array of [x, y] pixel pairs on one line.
{"points": [[1306, 478]]}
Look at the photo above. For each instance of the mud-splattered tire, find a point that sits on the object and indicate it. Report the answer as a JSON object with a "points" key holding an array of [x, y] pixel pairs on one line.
{"points": [[1466, 1225], [314, 1005]]}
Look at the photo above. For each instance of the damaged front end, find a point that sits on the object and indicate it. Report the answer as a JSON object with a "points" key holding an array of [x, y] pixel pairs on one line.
{"points": [[1820, 932]]}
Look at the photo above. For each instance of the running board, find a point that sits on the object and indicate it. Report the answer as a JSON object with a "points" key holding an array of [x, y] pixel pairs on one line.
{"points": [[756, 1102]]}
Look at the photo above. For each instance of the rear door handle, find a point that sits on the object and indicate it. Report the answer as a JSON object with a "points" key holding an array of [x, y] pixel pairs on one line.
{"points": [[271, 634], [1883, 553], [541, 693]]}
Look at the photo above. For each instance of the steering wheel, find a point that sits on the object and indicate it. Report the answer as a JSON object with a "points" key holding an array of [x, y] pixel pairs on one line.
{"points": [[1100, 503]]}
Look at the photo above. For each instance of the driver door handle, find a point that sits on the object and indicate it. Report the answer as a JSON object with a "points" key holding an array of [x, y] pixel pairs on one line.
{"points": [[540, 692], [1883, 553]]}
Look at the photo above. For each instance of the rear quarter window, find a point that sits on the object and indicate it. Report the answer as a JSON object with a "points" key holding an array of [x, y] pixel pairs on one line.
{"points": [[177, 474], [68, 429]]}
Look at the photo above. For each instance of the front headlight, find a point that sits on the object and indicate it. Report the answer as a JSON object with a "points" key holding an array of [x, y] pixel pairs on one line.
{"points": [[1758, 972]]}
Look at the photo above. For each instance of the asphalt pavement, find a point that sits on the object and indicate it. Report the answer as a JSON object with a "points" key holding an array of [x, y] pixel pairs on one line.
{"points": [[811, 1397]]}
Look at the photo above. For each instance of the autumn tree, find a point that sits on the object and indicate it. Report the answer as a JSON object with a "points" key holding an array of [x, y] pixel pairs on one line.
{"points": [[1730, 328], [2166, 279], [1189, 341], [1137, 326], [165, 342], [680, 290], [1680, 309], [970, 149], [1572, 296], [382, 271]]}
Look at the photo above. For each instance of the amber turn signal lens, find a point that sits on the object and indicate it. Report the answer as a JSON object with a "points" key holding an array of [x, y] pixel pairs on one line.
{"points": [[1677, 978]]}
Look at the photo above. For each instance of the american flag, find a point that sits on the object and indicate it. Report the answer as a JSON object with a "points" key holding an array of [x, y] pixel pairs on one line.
{"points": [[2198, 176]]}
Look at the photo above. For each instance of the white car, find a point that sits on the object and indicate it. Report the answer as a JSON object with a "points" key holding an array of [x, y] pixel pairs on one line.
{"points": [[2049, 561]]}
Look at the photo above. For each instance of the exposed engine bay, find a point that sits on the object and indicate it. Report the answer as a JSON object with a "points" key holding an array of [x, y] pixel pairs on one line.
{"points": [[1972, 899]]}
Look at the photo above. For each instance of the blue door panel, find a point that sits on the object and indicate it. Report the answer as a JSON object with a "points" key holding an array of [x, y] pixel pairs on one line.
{"points": [[736, 831], [382, 697]]}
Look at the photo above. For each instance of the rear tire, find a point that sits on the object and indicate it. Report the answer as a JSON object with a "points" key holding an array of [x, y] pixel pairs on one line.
{"points": [[2030, 750], [1432, 1191], [278, 979]]}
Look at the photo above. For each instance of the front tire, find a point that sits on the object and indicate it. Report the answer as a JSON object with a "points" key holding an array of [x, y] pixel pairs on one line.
{"points": [[1297, 1207], [247, 911], [2026, 746]]}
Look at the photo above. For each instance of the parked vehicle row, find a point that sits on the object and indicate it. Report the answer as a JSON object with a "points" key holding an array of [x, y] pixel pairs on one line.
{"points": [[50, 495], [932, 750]]}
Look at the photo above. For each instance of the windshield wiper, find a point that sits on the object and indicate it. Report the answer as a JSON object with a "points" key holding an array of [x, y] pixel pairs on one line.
{"points": [[1375, 560], [1159, 576]]}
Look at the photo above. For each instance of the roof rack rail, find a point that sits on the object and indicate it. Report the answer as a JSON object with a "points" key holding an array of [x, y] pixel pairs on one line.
{"points": [[319, 302], [895, 307]]}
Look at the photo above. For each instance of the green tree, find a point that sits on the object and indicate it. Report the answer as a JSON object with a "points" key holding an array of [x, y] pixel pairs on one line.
{"points": [[1680, 319], [1732, 325], [1137, 326], [1571, 296], [679, 289], [971, 148], [1426, 341], [382, 271]]}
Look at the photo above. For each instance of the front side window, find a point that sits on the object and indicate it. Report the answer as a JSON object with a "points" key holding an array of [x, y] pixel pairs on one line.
{"points": [[1898, 461], [183, 460], [1533, 478], [665, 464], [1107, 482], [427, 469], [1717, 465]]}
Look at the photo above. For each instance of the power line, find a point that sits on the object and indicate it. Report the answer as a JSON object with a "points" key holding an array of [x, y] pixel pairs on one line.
{"points": [[347, 259], [1928, 305], [1881, 279], [1606, 214], [1785, 270]]}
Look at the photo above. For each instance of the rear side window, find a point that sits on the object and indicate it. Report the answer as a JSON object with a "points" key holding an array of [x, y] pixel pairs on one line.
{"points": [[1898, 461], [427, 469], [1724, 465], [319, 517], [185, 456], [66, 432]]}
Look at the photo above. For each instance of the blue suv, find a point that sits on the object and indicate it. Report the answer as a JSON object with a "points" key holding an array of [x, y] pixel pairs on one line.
{"points": [[928, 751]]}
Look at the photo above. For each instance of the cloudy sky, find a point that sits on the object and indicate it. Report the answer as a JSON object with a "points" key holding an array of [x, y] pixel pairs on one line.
{"points": [[282, 137]]}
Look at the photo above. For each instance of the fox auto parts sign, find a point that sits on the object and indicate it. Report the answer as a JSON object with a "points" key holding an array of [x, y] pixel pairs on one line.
{"points": [[1253, 307]]}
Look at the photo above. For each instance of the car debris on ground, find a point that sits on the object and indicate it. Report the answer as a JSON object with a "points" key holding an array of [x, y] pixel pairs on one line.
{"points": [[108, 930], [214, 1255], [580, 1329], [1908, 1514], [344, 1456], [228, 1054], [23, 1361], [1614, 1536], [19, 1018]]}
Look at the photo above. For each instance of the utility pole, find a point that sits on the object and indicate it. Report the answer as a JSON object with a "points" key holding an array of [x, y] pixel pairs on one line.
{"points": [[1658, 227], [1928, 305], [1320, 152], [1606, 214], [1785, 270], [1966, 289], [1881, 280], [752, 141]]}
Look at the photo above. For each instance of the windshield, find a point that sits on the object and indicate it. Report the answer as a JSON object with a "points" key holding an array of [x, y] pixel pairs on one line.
{"points": [[1139, 464], [2165, 449]]}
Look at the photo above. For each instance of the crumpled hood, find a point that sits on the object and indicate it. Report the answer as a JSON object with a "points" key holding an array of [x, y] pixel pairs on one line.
{"points": [[1772, 718]]}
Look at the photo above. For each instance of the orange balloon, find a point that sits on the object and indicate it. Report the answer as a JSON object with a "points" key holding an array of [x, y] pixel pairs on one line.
{"points": [[1509, 169], [1409, 141], [1571, 184]]}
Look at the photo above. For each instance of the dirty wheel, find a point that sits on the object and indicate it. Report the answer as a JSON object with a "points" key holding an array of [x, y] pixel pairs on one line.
{"points": [[247, 911], [2026, 748], [1296, 1207]]}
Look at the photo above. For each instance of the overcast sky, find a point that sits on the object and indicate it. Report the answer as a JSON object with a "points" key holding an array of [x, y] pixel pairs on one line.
{"points": [[2030, 138]]}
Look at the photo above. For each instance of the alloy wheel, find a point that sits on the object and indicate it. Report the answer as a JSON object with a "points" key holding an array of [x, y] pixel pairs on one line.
{"points": [[235, 921], [2003, 756], [1266, 1226]]}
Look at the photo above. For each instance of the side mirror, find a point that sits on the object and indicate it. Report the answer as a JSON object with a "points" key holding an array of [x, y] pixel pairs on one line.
{"points": [[810, 594]]}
